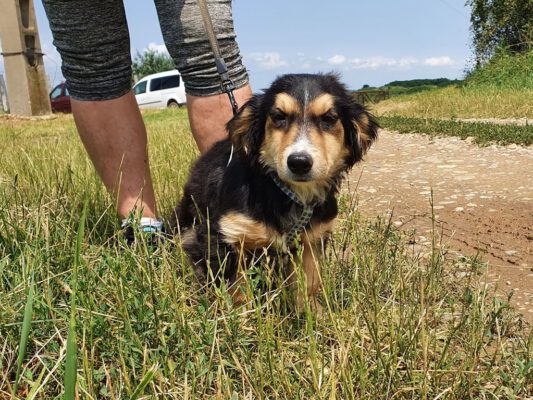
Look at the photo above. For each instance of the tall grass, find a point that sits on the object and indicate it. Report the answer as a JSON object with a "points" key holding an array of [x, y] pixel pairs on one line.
{"points": [[482, 133], [502, 89], [397, 324], [71, 361]]}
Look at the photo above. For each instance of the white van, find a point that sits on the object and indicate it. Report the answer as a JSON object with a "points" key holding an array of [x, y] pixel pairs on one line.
{"points": [[164, 89]]}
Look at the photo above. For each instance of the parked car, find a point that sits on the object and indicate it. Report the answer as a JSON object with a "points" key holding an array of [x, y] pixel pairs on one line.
{"points": [[60, 98], [164, 89]]}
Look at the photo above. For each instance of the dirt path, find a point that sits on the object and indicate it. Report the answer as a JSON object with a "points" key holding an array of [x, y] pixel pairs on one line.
{"points": [[483, 201]]}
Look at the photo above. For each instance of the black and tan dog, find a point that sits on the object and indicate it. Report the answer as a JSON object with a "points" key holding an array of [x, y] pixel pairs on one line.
{"points": [[275, 179]]}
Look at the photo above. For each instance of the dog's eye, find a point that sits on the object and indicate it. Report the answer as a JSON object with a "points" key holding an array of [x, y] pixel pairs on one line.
{"points": [[328, 120], [279, 118]]}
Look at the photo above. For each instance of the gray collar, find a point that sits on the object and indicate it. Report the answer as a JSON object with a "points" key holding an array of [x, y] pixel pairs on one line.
{"points": [[305, 217]]}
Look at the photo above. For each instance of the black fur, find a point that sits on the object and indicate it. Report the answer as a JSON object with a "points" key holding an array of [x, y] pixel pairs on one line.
{"points": [[215, 188]]}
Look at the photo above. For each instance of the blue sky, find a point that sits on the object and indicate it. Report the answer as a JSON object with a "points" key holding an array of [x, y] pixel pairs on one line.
{"points": [[368, 42]]}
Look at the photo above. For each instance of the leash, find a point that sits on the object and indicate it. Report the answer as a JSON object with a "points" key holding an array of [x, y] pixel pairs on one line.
{"points": [[226, 84], [305, 217]]}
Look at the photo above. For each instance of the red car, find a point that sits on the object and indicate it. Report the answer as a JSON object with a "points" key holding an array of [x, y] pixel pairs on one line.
{"points": [[60, 98]]}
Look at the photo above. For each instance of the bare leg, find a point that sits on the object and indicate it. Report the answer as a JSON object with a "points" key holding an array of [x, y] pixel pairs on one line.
{"points": [[208, 116], [114, 135]]}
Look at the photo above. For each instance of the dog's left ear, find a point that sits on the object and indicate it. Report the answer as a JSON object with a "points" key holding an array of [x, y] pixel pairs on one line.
{"points": [[244, 128], [362, 131]]}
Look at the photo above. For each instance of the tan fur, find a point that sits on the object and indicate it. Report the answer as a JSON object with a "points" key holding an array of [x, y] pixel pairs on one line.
{"points": [[362, 128], [238, 289], [287, 104], [244, 232], [330, 152], [188, 236], [272, 154], [239, 128], [311, 259], [321, 105], [320, 231], [275, 142]]}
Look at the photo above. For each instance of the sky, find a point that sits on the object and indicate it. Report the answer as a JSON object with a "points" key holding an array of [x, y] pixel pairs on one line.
{"points": [[367, 42]]}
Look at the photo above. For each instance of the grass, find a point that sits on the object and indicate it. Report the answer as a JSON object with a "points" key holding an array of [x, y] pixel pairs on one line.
{"points": [[397, 88], [503, 89], [481, 132], [397, 324]]}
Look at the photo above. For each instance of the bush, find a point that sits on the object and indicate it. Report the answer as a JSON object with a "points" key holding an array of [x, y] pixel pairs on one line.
{"points": [[151, 62]]}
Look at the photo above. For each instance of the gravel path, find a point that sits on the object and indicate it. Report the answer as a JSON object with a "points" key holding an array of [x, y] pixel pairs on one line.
{"points": [[483, 201]]}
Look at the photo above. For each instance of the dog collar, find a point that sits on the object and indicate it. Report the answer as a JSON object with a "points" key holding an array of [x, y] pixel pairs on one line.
{"points": [[306, 215]]}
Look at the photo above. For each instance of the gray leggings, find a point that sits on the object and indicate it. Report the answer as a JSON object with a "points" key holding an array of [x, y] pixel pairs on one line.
{"points": [[93, 40]]}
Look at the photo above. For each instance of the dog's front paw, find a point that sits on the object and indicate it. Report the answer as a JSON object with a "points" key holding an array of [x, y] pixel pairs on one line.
{"points": [[314, 306]]}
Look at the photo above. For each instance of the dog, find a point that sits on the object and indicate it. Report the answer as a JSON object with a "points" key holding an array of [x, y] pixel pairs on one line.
{"points": [[273, 183]]}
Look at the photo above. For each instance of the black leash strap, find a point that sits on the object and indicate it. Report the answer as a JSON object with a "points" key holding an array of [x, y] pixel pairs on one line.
{"points": [[226, 83]]}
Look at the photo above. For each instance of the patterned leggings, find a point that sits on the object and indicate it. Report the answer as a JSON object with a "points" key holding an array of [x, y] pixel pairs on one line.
{"points": [[93, 40]]}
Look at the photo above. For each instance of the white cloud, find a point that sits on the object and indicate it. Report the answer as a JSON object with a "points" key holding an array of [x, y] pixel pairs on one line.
{"points": [[369, 62], [407, 61], [158, 48], [269, 60], [372, 62], [337, 59], [439, 61]]}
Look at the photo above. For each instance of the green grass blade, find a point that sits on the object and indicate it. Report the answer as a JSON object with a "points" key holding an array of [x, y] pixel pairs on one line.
{"points": [[36, 385], [147, 378], [71, 357], [26, 324]]}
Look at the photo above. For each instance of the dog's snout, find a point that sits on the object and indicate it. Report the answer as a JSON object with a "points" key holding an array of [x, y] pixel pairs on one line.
{"points": [[300, 163]]}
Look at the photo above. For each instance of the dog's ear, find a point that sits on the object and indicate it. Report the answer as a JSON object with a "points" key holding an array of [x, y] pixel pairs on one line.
{"points": [[362, 131], [244, 128], [367, 127]]}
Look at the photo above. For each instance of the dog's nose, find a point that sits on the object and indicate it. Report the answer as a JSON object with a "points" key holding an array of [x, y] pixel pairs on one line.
{"points": [[300, 163]]}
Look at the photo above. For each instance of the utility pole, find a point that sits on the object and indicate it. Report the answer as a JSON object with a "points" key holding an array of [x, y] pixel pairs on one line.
{"points": [[23, 60]]}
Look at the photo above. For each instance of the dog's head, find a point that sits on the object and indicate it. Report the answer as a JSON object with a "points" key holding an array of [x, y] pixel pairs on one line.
{"points": [[306, 128]]}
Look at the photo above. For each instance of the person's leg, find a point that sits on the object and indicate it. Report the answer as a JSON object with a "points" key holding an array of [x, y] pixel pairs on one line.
{"points": [[208, 131], [114, 135], [187, 42], [93, 40]]}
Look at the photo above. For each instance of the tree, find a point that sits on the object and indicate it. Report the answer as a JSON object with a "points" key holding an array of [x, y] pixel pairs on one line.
{"points": [[500, 24], [150, 62]]}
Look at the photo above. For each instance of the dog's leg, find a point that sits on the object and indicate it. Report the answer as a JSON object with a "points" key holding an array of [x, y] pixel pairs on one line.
{"points": [[238, 288], [312, 279], [244, 234]]}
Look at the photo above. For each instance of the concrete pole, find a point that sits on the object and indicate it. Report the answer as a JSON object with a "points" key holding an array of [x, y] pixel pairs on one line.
{"points": [[4, 104], [23, 59]]}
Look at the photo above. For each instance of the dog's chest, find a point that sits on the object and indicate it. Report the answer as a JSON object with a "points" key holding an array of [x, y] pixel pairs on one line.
{"points": [[291, 219]]}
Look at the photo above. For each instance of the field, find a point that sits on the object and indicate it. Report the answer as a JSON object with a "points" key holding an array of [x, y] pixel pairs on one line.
{"points": [[501, 90], [397, 324]]}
